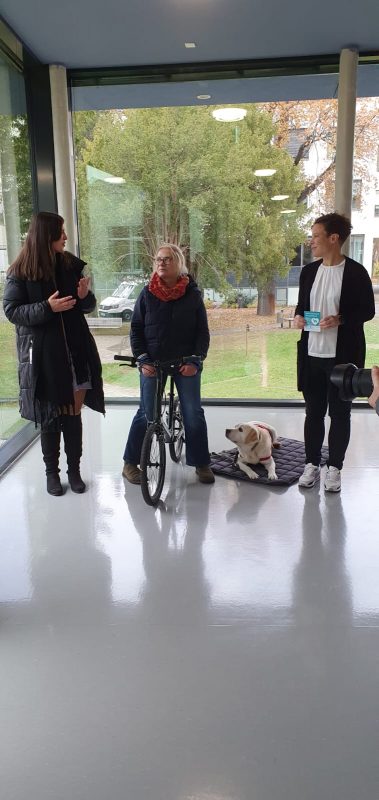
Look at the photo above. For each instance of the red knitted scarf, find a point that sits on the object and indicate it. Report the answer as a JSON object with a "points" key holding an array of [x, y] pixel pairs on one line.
{"points": [[165, 293]]}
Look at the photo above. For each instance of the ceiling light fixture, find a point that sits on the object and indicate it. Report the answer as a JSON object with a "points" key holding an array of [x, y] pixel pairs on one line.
{"points": [[189, 45], [204, 96], [229, 114], [280, 197], [264, 173]]}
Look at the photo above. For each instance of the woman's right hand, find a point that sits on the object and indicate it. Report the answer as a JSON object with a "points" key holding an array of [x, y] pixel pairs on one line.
{"points": [[58, 304], [148, 370], [299, 322]]}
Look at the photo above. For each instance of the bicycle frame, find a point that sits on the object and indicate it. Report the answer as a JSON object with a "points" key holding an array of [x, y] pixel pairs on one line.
{"points": [[159, 431], [168, 427]]}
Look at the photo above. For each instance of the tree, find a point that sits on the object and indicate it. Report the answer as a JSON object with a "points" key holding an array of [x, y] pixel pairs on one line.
{"points": [[303, 125], [189, 180], [15, 181]]}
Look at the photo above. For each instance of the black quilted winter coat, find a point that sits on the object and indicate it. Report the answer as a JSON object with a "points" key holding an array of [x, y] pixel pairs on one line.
{"points": [[164, 330], [45, 373]]}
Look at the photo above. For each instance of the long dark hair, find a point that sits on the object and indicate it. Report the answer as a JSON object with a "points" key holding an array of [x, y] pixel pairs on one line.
{"points": [[36, 259]]}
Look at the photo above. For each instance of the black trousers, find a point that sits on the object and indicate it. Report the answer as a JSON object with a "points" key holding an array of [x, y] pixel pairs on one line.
{"points": [[319, 395]]}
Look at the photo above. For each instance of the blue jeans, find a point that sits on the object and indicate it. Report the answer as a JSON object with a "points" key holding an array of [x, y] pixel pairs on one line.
{"points": [[196, 436]]}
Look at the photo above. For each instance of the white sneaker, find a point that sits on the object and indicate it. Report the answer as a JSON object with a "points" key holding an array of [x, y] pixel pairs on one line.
{"points": [[332, 480], [310, 476]]}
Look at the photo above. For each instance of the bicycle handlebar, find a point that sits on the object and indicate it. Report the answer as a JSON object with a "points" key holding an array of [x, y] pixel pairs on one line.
{"points": [[173, 362], [130, 360]]}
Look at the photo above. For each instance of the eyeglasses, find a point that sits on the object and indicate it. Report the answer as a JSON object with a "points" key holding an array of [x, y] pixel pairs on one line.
{"points": [[164, 260]]}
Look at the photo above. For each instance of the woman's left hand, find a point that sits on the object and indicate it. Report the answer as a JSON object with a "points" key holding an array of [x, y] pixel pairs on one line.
{"points": [[83, 287], [330, 322], [188, 370]]}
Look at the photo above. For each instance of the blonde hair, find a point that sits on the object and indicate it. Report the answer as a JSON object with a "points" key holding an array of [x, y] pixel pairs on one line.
{"points": [[177, 255]]}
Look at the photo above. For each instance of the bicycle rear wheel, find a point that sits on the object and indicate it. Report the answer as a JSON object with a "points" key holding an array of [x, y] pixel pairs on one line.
{"points": [[176, 446], [153, 464]]}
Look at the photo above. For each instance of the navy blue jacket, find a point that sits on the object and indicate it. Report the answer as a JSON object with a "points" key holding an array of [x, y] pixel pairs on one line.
{"points": [[172, 329], [357, 305]]}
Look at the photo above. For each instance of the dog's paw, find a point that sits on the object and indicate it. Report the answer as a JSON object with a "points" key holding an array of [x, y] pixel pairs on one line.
{"points": [[252, 475], [272, 476]]}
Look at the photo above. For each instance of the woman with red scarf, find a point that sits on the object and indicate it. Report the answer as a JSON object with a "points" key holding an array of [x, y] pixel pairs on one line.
{"points": [[170, 321]]}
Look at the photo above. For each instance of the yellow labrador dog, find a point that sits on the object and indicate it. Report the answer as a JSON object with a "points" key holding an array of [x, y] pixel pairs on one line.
{"points": [[255, 441]]}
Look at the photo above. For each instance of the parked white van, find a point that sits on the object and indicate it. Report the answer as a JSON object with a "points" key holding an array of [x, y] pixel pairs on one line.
{"points": [[121, 303]]}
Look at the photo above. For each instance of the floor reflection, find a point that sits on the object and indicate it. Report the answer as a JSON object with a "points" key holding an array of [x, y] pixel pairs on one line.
{"points": [[172, 540], [71, 576], [322, 593]]}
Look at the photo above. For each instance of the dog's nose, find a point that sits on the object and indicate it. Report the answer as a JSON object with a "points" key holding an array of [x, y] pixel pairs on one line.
{"points": [[227, 431]]}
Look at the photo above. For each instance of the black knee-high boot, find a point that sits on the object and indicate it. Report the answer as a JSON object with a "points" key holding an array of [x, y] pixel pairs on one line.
{"points": [[72, 436], [50, 442]]}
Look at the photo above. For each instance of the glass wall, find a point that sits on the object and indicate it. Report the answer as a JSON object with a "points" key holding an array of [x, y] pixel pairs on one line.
{"points": [[365, 235], [239, 195], [15, 213]]}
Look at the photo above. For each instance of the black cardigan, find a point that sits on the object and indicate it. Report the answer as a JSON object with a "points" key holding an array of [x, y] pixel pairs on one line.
{"points": [[357, 305]]}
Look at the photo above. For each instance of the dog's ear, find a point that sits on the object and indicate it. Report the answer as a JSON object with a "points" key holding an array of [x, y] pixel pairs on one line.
{"points": [[252, 436]]}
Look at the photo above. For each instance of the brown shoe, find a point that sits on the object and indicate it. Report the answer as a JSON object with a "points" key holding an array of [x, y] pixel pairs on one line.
{"points": [[205, 474], [132, 473]]}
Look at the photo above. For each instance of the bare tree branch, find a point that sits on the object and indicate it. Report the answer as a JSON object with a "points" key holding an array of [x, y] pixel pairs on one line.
{"points": [[316, 182]]}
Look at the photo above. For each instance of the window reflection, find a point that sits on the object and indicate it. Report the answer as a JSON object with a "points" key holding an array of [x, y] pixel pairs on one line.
{"points": [[15, 214], [240, 199]]}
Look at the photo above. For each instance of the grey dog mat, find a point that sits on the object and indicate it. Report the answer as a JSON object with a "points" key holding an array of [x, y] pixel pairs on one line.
{"points": [[289, 463]]}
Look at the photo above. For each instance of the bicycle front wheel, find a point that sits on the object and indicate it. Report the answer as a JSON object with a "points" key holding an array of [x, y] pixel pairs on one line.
{"points": [[176, 446], [153, 464]]}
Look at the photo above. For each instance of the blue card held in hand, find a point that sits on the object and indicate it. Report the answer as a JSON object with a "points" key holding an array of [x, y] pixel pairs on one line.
{"points": [[312, 320]]}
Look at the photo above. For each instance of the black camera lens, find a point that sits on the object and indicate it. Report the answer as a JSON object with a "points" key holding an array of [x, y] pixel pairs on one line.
{"points": [[361, 383], [351, 381]]}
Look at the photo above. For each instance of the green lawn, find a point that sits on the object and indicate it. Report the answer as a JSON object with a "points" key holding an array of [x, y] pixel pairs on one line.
{"points": [[266, 370], [127, 377], [8, 361], [263, 365]]}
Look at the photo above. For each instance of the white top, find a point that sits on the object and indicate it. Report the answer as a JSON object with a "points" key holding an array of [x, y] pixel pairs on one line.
{"points": [[325, 297]]}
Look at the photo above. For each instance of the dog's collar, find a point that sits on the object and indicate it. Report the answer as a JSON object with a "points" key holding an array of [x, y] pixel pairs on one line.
{"points": [[236, 454]]}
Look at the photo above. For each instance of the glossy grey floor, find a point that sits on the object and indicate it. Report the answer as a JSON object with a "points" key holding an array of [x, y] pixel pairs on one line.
{"points": [[223, 647]]}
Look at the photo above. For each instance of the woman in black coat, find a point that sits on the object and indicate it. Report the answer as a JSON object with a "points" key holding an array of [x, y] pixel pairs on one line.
{"points": [[46, 297], [170, 321]]}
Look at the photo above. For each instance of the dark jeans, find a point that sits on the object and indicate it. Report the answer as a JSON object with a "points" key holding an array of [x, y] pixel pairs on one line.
{"points": [[196, 436], [319, 393]]}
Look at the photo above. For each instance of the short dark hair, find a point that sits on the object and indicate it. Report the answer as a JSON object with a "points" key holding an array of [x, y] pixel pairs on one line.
{"points": [[335, 223]]}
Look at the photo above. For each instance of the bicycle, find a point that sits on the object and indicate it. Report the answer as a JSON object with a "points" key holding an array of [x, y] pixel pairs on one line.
{"points": [[166, 427]]}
